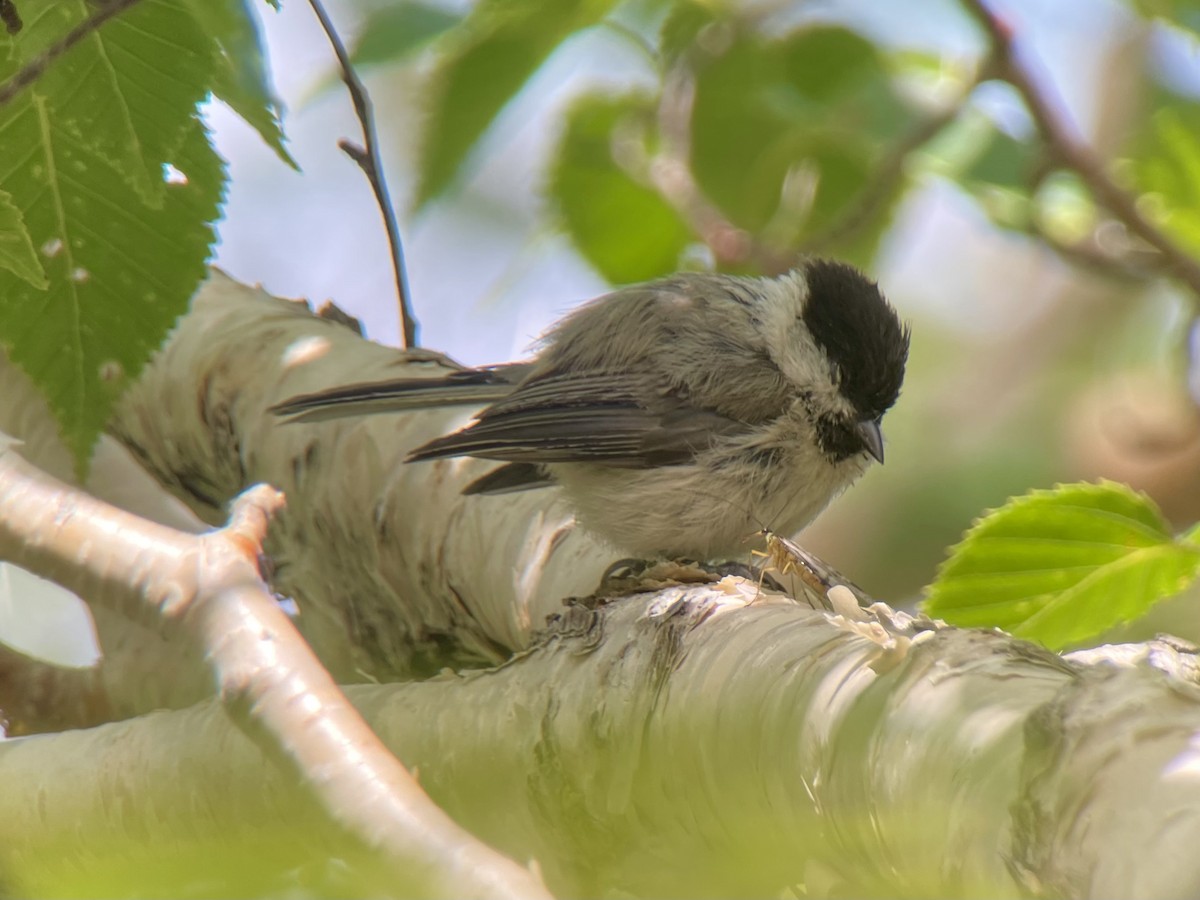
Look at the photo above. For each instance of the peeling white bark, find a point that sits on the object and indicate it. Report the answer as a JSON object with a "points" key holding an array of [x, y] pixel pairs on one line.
{"points": [[686, 744], [396, 574]]}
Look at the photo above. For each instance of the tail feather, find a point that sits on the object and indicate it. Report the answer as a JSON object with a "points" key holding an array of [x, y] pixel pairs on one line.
{"points": [[468, 387]]}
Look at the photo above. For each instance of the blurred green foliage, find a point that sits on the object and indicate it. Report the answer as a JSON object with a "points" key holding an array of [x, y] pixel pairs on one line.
{"points": [[393, 31], [623, 227], [481, 65]]}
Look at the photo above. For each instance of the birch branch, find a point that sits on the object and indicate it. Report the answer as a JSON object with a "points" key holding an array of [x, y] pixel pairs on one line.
{"points": [[207, 591], [706, 741], [395, 573]]}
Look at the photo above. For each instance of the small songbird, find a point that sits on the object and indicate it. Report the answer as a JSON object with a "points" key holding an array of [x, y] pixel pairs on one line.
{"points": [[680, 414]]}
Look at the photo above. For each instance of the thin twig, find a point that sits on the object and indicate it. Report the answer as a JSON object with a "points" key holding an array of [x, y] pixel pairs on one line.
{"points": [[33, 69], [1075, 154], [369, 161]]}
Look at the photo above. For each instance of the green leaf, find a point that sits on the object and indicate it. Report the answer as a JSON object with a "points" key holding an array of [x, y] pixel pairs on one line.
{"points": [[1063, 565], [824, 65], [1192, 535], [16, 249], [621, 226], [120, 273], [488, 60], [1167, 169], [992, 165], [109, 166], [241, 78], [817, 106], [392, 32], [128, 90]]}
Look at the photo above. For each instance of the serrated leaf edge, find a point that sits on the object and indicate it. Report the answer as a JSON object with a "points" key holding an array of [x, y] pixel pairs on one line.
{"points": [[987, 516]]}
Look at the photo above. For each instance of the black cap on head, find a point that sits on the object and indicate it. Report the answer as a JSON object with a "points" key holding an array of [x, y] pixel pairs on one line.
{"points": [[859, 332]]}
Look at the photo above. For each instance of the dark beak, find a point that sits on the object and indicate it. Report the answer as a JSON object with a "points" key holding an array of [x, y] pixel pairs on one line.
{"points": [[872, 438]]}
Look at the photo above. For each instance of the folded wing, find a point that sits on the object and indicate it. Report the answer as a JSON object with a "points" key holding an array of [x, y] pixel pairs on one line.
{"points": [[598, 417]]}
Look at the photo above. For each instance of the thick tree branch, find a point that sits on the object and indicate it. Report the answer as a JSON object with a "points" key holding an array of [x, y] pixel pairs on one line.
{"points": [[711, 741], [407, 576], [207, 587], [1074, 153]]}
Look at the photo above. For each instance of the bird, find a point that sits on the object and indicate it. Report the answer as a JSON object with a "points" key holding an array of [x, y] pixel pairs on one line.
{"points": [[680, 414]]}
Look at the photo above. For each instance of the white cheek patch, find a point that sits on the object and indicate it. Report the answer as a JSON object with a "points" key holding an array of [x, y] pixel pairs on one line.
{"points": [[791, 344]]}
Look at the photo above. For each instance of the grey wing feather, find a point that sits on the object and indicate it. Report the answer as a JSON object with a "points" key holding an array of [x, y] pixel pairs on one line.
{"points": [[585, 417], [469, 386]]}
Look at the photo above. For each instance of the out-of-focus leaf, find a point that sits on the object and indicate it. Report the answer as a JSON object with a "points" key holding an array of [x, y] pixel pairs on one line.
{"points": [[1167, 169], [1066, 208], [989, 163], [16, 249], [741, 146], [112, 172], [621, 227], [684, 20], [1004, 162], [1063, 565], [241, 78], [999, 177], [817, 105], [1182, 13], [488, 58], [392, 32], [824, 65]]}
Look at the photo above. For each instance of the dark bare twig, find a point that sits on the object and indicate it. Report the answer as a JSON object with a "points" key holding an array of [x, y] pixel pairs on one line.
{"points": [[33, 69], [367, 157], [1074, 153]]}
